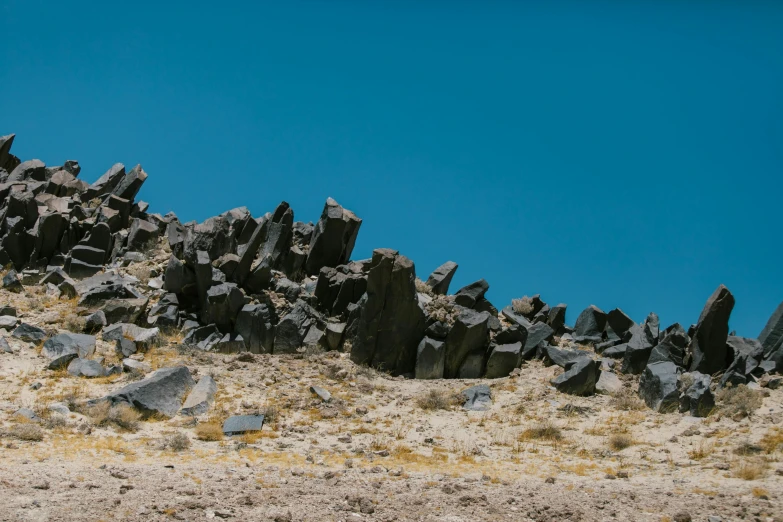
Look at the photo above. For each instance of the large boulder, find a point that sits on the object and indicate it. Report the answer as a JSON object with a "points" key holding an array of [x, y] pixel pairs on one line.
{"points": [[336, 288], [200, 397], [255, 323], [556, 318], [86, 368], [697, 399], [579, 378], [746, 354], [28, 333], [63, 348], [430, 359], [771, 338], [161, 392], [469, 295], [391, 323], [503, 359], [638, 349], [468, 336], [709, 353], [223, 303], [440, 279], [619, 322], [658, 386], [590, 323], [299, 328], [672, 347], [106, 183], [333, 238]]}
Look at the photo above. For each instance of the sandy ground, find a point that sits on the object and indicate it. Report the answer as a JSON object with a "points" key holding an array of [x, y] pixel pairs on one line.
{"points": [[373, 452]]}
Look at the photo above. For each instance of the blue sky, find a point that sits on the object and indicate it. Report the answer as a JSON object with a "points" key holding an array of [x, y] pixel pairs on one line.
{"points": [[594, 151]]}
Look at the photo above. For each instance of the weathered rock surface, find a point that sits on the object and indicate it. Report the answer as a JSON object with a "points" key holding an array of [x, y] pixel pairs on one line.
{"points": [[161, 392], [658, 386], [200, 397], [708, 350]]}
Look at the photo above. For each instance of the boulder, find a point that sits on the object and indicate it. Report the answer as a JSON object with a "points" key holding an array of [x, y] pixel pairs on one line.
{"points": [[658, 386], [746, 355], [161, 392], [12, 283], [537, 334], [28, 333], [709, 353], [124, 310], [391, 323], [503, 359], [31, 170], [333, 238], [239, 424], [86, 368], [212, 236], [294, 328], [229, 343], [8, 322], [556, 318], [467, 296], [255, 323], [336, 288], [616, 352], [106, 183], [142, 235], [771, 338], [638, 349], [6, 158], [223, 303], [430, 358], [130, 184], [61, 349], [334, 335], [563, 357], [608, 383], [144, 338], [579, 378], [590, 323], [200, 397], [177, 276], [619, 322], [132, 365], [469, 335], [672, 347], [697, 399], [440, 279], [477, 398]]}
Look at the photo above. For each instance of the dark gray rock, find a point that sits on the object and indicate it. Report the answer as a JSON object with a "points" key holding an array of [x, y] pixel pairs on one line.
{"points": [[590, 323], [200, 397], [177, 276], [619, 322], [144, 338], [771, 338], [106, 183], [537, 333], [746, 355], [639, 349], [224, 301], [336, 288], [86, 368], [229, 343], [430, 358], [469, 335], [239, 424], [579, 378], [333, 238], [477, 398], [556, 318], [12, 283], [6, 161], [161, 392], [391, 323], [125, 348], [334, 335], [658, 386], [709, 353], [31, 170], [212, 236], [697, 398], [8, 310], [255, 323], [130, 184], [672, 347], [563, 357], [288, 288], [124, 310], [28, 333], [467, 296], [616, 352], [142, 235], [294, 328], [61, 349], [503, 359], [440, 279]]}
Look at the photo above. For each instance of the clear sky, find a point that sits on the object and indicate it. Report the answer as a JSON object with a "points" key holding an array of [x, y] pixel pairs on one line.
{"points": [[625, 154]]}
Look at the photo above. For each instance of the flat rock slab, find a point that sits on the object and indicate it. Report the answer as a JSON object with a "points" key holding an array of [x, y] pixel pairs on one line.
{"points": [[63, 348], [29, 333], [321, 392], [162, 392], [200, 397], [8, 322], [86, 368], [242, 424], [477, 398]]}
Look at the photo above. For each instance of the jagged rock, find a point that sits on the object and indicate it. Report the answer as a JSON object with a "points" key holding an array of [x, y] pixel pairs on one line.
{"points": [[672, 347], [512, 334], [333, 238], [28, 333], [562, 357], [608, 383], [86, 368], [5, 152], [132, 365], [334, 335], [142, 234], [212, 236], [658, 386], [391, 323], [477, 398], [223, 303], [255, 323], [144, 338], [771, 338], [288, 288], [503, 359], [165, 313], [697, 398], [229, 343], [537, 333], [430, 359], [438, 330], [746, 356], [653, 324], [469, 335], [590, 323], [200, 397], [616, 352], [336, 288], [619, 322], [440, 279], [279, 236], [8, 310], [638, 349], [8, 322], [31, 170], [239, 424], [556, 318], [63, 348], [4, 346], [11, 282], [321, 393], [579, 378], [125, 348], [106, 183], [161, 392], [709, 353], [124, 310], [202, 336], [467, 296], [177, 276], [294, 328]]}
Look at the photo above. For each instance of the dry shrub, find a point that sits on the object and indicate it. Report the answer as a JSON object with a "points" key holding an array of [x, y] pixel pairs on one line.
{"points": [[620, 441], [74, 323], [140, 271], [750, 469], [543, 431], [121, 416], [422, 287], [209, 431], [176, 442], [27, 431], [627, 401], [703, 450], [772, 440], [438, 400], [523, 305], [739, 401], [271, 413]]}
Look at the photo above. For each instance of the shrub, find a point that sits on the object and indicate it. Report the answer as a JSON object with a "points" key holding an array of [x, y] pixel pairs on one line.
{"points": [[437, 400], [750, 469], [209, 431], [422, 287], [523, 305], [620, 441], [27, 431], [176, 442], [627, 401], [121, 415], [543, 431], [738, 401]]}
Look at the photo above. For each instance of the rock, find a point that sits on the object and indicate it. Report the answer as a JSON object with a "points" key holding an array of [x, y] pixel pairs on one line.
{"points": [[6, 158], [161, 392], [32, 170], [106, 183], [746, 355], [322, 393], [294, 328], [134, 365], [469, 335], [4, 346], [430, 359], [28, 333], [333, 238], [200, 397], [697, 398], [440, 279], [709, 353], [334, 335], [771, 338], [130, 184], [477, 398], [229, 343], [616, 352], [672, 347], [390, 324], [144, 338], [124, 310], [177, 276], [255, 324], [537, 334], [467, 296], [608, 383], [336, 288], [619, 322], [556, 318], [503, 359], [563, 357], [11, 282], [579, 378], [224, 301], [142, 235], [8, 310], [239, 424], [658, 386], [125, 348], [165, 313], [638, 349], [8, 322], [61, 349], [682, 517], [59, 408], [590, 323], [86, 368], [26, 413]]}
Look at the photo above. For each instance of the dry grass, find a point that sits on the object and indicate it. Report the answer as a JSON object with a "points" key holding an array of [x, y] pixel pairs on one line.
{"points": [[738, 401], [749, 469], [27, 431], [626, 401], [122, 416], [542, 431], [772, 440], [523, 305], [140, 271], [620, 441], [176, 442], [438, 400], [209, 431], [422, 287], [702, 451]]}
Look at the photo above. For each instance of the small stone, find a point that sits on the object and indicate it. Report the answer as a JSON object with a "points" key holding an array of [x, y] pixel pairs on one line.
{"points": [[550, 480], [682, 517], [321, 392]]}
